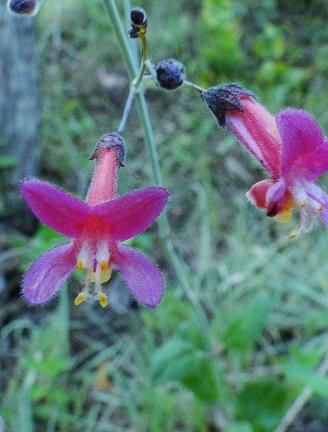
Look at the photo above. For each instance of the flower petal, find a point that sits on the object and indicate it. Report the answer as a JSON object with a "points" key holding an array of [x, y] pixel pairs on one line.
{"points": [[141, 274], [256, 128], [54, 207], [304, 150], [48, 273], [134, 212], [257, 193], [275, 198]]}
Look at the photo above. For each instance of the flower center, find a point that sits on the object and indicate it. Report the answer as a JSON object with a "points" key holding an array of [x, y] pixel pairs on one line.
{"points": [[96, 262]]}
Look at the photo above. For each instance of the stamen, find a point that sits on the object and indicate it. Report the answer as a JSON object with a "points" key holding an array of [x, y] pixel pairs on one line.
{"points": [[104, 265], [305, 225], [316, 204], [84, 294], [293, 235], [103, 299], [98, 271], [300, 195], [80, 298], [83, 259]]}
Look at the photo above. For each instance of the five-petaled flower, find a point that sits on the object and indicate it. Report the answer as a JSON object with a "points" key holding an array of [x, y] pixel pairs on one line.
{"points": [[290, 146], [97, 227]]}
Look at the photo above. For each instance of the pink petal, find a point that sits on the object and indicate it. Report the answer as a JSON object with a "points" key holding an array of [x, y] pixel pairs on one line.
{"points": [[46, 275], [256, 128], [54, 207], [141, 274], [275, 198], [257, 193], [134, 212], [304, 151]]}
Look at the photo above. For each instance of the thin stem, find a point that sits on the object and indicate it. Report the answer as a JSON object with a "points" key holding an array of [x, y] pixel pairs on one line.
{"points": [[151, 70], [144, 53], [163, 224], [134, 86], [194, 86], [127, 109]]}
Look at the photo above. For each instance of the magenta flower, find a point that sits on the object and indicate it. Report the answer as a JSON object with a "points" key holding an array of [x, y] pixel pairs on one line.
{"points": [[97, 228], [290, 146]]}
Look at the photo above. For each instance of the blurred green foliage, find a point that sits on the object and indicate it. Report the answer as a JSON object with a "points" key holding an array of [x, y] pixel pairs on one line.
{"points": [[266, 298]]}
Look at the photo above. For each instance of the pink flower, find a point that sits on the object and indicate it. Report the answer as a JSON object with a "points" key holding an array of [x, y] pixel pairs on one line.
{"points": [[97, 228], [290, 146]]}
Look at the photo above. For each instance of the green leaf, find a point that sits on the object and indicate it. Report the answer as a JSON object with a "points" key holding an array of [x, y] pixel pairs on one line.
{"points": [[301, 367], [181, 361], [245, 324], [262, 403]]}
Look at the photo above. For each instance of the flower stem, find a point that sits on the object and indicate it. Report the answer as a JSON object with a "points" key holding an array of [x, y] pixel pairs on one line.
{"points": [[194, 86], [163, 224], [135, 85]]}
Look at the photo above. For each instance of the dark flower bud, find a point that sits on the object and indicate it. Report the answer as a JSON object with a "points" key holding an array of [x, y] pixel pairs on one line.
{"points": [[223, 98], [108, 141], [24, 7], [170, 73], [139, 22], [138, 16]]}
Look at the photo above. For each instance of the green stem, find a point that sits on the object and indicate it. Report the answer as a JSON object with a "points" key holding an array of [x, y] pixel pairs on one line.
{"points": [[134, 86], [163, 224]]}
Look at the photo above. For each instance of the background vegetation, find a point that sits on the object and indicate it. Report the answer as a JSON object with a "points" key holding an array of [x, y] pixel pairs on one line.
{"points": [[125, 368]]}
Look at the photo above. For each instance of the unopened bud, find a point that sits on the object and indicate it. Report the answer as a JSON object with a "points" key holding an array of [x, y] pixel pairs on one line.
{"points": [[138, 16], [223, 98], [170, 73], [24, 7], [139, 22]]}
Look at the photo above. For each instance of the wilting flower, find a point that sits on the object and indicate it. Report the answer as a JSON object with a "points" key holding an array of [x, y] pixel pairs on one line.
{"points": [[290, 146], [97, 227], [24, 7]]}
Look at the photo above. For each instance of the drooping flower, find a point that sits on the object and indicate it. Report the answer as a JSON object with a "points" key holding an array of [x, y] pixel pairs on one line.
{"points": [[97, 228], [290, 146]]}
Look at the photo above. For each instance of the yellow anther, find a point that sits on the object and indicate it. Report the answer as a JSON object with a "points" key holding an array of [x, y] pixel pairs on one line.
{"points": [[80, 298], [103, 299], [80, 265], [104, 265], [303, 204], [319, 209], [293, 236]]}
